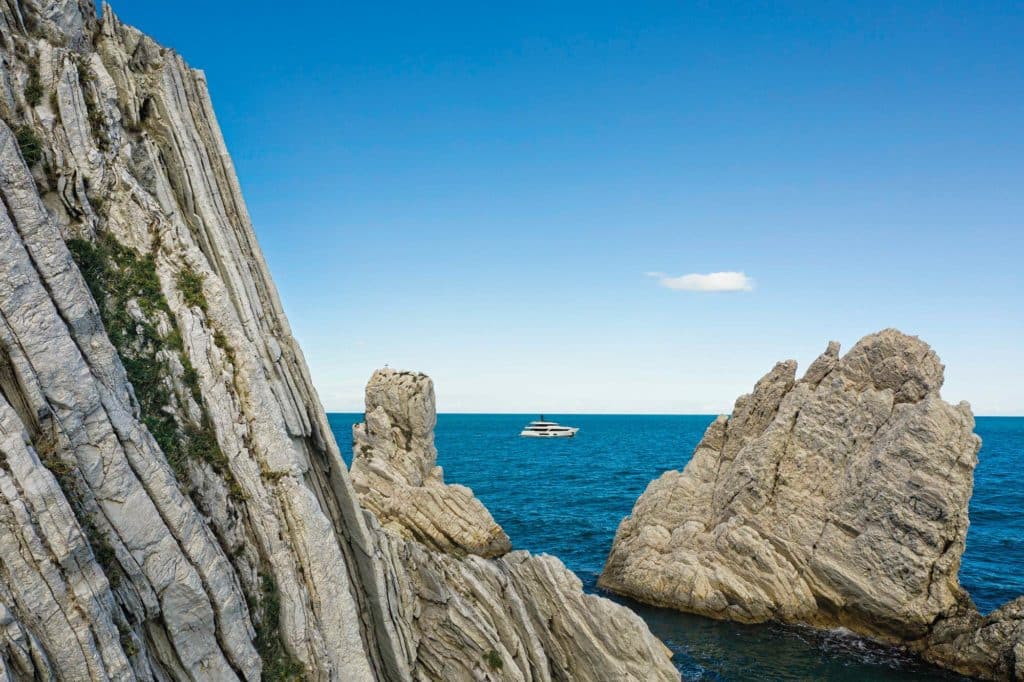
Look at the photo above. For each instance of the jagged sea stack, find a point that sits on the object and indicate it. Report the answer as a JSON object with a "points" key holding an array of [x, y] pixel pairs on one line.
{"points": [[395, 475], [836, 499], [173, 505]]}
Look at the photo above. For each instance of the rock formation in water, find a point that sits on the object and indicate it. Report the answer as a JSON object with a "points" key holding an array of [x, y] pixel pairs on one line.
{"points": [[527, 610], [989, 647], [172, 502], [394, 471], [837, 499]]}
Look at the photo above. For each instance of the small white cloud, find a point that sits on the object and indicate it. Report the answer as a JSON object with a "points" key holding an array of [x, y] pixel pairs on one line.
{"points": [[713, 281]]}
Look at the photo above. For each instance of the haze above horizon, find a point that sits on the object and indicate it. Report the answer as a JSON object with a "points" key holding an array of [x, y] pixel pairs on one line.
{"points": [[602, 208]]}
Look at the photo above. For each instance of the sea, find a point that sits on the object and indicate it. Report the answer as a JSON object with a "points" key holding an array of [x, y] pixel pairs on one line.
{"points": [[566, 497]]}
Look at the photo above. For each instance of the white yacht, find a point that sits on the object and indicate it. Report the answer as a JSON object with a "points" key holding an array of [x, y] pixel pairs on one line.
{"points": [[546, 429]]}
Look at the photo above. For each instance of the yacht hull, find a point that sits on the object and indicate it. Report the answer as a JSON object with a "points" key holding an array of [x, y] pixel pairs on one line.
{"points": [[568, 433]]}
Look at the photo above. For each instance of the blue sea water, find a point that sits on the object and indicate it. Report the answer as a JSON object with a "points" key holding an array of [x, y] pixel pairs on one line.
{"points": [[567, 496]]}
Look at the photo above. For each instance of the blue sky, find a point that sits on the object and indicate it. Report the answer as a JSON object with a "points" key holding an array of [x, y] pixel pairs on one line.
{"points": [[480, 191]]}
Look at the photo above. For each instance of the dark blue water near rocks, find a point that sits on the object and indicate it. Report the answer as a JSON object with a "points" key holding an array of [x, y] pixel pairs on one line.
{"points": [[567, 496]]}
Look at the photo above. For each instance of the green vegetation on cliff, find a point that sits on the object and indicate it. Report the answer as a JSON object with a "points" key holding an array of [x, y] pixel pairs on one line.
{"points": [[28, 142], [278, 664], [33, 86], [116, 276]]}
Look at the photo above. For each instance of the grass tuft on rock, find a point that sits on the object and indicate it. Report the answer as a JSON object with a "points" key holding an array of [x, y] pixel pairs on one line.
{"points": [[190, 284], [104, 553], [33, 87], [30, 145], [278, 664]]}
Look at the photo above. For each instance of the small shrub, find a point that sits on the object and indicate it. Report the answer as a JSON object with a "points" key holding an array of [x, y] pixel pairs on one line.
{"points": [[30, 145], [493, 660], [190, 284], [33, 87]]}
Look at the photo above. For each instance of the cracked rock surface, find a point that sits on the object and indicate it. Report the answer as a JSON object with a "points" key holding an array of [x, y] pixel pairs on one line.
{"points": [[173, 505], [835, 499]]}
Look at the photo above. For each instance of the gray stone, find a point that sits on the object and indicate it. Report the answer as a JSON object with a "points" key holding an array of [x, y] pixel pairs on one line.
{"points": [[519, 617]]}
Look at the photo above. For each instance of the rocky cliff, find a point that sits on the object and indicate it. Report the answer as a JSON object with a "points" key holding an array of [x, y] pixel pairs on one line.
{"points": [[836, 499], [394, 471], [172, 502]]}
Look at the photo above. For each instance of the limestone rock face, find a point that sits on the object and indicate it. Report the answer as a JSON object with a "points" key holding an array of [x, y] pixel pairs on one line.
{"points": [[839, 498], [172, 502], [394, 473]]}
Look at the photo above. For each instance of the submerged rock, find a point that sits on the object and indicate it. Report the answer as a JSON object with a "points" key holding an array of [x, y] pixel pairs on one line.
{"points": [[394, 471], [837, 499], [174, 504]]}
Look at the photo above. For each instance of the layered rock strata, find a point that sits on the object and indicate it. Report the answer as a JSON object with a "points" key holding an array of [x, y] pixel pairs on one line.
{"points": [[394, 471], [172, 502], [836, 499], [519, 617]]}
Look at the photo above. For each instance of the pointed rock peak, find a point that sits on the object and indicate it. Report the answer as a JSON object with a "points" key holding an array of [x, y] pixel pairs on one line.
{"points": [[407, 398], [109, 20], [893, 360], [828, 503], [825, 363], [394, 471]]}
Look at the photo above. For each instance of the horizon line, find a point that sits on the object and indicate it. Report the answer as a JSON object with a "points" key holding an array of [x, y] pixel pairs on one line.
{"points": [[634, 414]]}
